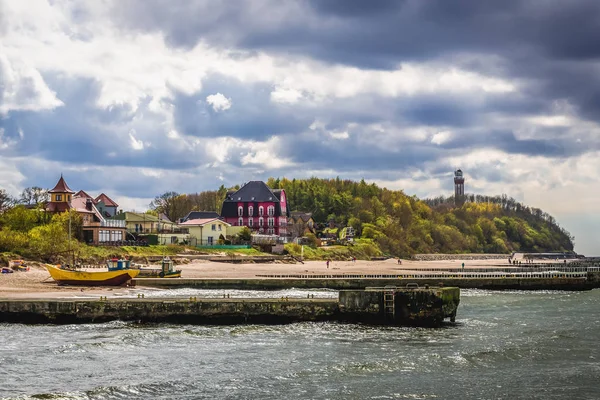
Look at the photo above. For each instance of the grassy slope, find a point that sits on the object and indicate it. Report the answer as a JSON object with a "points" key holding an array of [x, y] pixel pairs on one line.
{"points": [[362, 249]]}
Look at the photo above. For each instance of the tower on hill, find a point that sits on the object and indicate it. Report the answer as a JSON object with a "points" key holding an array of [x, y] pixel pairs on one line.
{"points": [[459, 187]]}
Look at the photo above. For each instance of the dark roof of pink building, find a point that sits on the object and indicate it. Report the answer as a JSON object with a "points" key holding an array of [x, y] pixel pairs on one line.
{"points": [[252, 192], [61, 187], [106, 200]]}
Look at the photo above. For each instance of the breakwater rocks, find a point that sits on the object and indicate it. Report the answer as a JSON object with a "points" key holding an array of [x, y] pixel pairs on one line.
{"points": [[419, 307], [450, 257]]}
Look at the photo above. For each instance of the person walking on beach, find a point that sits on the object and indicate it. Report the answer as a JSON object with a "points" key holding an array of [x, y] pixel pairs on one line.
{"points": [[327, 264]]}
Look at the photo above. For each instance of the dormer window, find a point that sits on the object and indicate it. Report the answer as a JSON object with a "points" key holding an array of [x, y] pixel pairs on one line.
{"points": [[240, 211], [261, 211], [250, 210]]}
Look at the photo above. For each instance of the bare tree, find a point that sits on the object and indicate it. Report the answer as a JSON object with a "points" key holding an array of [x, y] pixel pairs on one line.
{"points": [[6, 201], [34, 195], [172, 204]]}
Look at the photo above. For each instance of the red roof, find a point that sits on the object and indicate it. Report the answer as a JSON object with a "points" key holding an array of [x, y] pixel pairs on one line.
{"points": [[106, 200], [61, 187], [83, 194], [57, 207], [79, 204]]}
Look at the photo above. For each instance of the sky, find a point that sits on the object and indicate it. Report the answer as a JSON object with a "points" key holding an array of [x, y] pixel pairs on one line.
{"points": [[138, 97]]}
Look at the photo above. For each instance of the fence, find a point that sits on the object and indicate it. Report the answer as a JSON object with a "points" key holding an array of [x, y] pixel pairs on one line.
{"points": [[224, 246], [466, 275]]}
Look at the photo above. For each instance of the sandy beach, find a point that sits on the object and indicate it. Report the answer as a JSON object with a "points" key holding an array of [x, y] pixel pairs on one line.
{"points": [[37, 283]]}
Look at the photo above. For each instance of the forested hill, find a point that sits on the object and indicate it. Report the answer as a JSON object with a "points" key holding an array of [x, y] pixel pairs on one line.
{"points": [[404, 225]]}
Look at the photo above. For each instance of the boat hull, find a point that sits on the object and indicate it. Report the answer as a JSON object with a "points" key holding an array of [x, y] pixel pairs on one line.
{"points": [[174, 274], [96, 278]]}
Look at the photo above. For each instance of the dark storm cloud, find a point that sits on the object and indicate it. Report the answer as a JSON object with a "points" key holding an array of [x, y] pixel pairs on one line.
{"points": [[549, 44], [397, 29], [508, 142]]}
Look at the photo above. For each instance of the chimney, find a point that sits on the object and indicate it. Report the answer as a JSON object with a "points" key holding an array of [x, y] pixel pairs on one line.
{"points": [[88, 204]]}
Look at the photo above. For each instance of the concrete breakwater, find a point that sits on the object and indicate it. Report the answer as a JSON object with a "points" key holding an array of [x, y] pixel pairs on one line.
{"points": [[500, 281], [450, 257], [421, 307]]}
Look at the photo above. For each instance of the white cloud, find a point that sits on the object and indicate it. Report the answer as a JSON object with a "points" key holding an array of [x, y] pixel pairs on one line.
{"points": [[339, 135], [135, 143], [218, 102], [285, 95], [441, 137], [264, 154], [22, 88]]}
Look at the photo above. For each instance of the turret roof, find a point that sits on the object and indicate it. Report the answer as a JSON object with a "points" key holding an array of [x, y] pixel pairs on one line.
{"points": [[61, 187]]}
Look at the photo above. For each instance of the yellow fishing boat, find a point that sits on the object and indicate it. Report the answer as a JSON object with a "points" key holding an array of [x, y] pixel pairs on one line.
{"points": [[118, 273]]}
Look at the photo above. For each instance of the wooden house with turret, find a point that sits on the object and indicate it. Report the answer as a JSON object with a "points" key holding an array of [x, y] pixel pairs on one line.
{"points": [[96, 228]]}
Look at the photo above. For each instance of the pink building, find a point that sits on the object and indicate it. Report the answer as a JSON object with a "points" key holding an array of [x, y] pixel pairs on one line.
{"points": [[258, 207]]}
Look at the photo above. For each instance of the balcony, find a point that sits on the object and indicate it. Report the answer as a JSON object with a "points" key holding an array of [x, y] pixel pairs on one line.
{"points": [[111, 223]]}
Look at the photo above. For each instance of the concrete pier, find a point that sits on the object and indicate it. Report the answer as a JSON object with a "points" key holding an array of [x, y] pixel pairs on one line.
{"points": [[423, 307], [501, 281]]}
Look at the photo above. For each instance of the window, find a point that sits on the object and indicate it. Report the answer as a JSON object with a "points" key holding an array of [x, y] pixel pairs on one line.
{"points": [[103, 236], [261, 211], [271, 231], [117, 235], [240, 211], [209, 240], [250, 210], [250, 222], [271, 221], [68, 197], [271, 210], [58, 197], [261, 221], [213, 227], [241, 221], [220, 226]]}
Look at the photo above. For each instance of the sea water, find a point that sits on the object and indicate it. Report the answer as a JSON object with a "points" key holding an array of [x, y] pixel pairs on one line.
{"points": [[504, 345]]}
